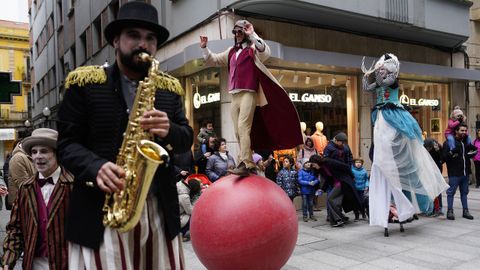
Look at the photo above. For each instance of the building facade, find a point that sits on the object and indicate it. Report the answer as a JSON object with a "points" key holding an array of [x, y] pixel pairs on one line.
{"points": [[317, 49], [473, 53], [14, 83]]}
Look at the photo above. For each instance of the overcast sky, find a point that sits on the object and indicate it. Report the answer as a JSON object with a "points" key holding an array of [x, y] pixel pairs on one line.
{"points": [[14, 10]]}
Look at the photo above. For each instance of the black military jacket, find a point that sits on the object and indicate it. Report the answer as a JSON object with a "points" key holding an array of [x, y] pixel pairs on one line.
{"points": [[91, 121]]}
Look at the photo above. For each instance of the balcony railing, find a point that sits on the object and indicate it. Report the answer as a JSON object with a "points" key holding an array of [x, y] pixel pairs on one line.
{"points": [[6, 114]]}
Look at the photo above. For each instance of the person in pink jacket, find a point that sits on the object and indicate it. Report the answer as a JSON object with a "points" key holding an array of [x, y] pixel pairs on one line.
{"points": [[456, 117], [476, 159]]}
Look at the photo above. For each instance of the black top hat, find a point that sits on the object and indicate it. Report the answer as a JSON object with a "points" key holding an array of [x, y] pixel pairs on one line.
{"points": [[136, 14]]}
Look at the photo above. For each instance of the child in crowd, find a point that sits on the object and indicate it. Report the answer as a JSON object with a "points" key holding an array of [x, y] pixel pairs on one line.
{"points": [[258, 160], [287, 177], [308, 149], [307, 181], [361, 183], [456, 117], [206, 131]]}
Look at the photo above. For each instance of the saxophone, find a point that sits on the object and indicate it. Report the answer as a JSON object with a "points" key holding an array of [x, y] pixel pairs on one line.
{"points": [[139, 156]]}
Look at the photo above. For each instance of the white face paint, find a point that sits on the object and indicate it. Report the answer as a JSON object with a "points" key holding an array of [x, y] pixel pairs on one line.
{"points": [[44, 159], [383, 72]]}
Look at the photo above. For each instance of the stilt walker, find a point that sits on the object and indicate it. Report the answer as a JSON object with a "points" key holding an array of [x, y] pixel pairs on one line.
{"points": [[401, 168]]}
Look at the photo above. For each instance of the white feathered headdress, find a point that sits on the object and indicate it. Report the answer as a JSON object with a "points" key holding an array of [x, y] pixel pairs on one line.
{"points": [[388, 60]]}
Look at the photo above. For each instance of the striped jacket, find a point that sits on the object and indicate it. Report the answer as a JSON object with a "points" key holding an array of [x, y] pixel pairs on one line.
{"points": [[23, 228]]}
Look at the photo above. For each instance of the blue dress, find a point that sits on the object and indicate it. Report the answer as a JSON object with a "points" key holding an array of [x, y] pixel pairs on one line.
{"points": [[401, 165]]}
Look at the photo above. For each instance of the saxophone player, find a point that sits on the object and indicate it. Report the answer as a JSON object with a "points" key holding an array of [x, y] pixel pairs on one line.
{"points": [[91, 120]]}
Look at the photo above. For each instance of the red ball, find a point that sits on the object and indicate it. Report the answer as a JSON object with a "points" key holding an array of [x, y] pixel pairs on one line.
{"points": [[244, 223]]}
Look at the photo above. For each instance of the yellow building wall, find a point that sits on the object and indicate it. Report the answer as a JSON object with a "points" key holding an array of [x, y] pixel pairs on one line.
{"points": [[14, 37]]}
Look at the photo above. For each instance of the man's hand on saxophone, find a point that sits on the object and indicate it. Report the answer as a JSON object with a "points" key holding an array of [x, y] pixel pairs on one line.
{"points": [[110, 177], [156, 122]]}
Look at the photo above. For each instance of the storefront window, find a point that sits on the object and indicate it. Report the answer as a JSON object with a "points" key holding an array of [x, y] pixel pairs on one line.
{"points": [[318, 97], [428, 103], [205, 97]]}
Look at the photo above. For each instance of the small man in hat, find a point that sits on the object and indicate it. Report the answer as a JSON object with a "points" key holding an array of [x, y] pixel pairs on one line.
{"points": [[338, 149], [91, 122], [271, 127], [37, 221]]}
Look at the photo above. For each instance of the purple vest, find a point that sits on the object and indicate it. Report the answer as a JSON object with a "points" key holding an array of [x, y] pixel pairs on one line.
{"points": [[41, 249], [242, 70]]}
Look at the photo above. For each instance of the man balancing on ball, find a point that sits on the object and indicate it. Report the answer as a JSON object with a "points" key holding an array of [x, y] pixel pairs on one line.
{"points": [[263, 115]]}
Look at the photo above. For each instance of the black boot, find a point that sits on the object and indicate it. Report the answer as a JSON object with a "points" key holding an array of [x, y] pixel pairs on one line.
{"points": [[466, 214], [241, 170], [450, 214]]}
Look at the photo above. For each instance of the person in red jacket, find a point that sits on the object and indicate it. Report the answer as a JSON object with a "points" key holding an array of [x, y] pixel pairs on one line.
{"points": [[268, 127]]}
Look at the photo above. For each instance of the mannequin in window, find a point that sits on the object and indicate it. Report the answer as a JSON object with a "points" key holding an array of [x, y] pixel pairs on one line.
{"points": [[319, 139], [303, 126]]}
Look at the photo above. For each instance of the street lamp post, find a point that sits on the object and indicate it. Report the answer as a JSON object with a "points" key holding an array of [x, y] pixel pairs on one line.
{"points": [[25, 132], [46, 112]]}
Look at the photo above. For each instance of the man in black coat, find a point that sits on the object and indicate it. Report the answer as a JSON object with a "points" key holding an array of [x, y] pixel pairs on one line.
{"points": [[183, 164], [92, 120], [458, 167], [338, 149]]}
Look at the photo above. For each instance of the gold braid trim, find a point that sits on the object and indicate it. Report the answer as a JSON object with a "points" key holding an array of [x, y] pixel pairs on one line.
{"points": [[82, 76], [167, 82]]}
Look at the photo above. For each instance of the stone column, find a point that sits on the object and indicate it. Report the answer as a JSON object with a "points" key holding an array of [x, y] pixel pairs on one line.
{"points": [[365, 103]]}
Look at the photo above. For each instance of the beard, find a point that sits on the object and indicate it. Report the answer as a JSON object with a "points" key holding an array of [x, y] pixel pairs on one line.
{"points": [[133, 62]]}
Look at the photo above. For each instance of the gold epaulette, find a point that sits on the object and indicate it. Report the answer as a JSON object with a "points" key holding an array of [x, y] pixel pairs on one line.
{"points": [[82, 76], [168, 82]]}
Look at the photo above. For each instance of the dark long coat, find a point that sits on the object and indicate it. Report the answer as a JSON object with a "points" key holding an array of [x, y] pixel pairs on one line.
{"points": [[91, 121], [331, 169]]}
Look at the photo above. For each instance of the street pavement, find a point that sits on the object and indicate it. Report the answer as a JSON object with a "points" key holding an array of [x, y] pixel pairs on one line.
{"points": [[427, 243]]}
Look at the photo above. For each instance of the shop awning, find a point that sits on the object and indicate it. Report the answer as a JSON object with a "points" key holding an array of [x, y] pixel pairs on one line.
{"points": [[191, 61], [7, 134]]}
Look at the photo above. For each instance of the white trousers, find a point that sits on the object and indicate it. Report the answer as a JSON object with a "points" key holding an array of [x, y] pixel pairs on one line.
{"points": [[143, 247]]}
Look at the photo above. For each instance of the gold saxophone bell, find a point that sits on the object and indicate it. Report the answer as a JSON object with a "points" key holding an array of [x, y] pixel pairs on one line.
{"points": [[139, 156]]}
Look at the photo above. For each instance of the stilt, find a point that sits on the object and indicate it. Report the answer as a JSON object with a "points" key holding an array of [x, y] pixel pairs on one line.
{"points": [[385, 232], [401, 227]]}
